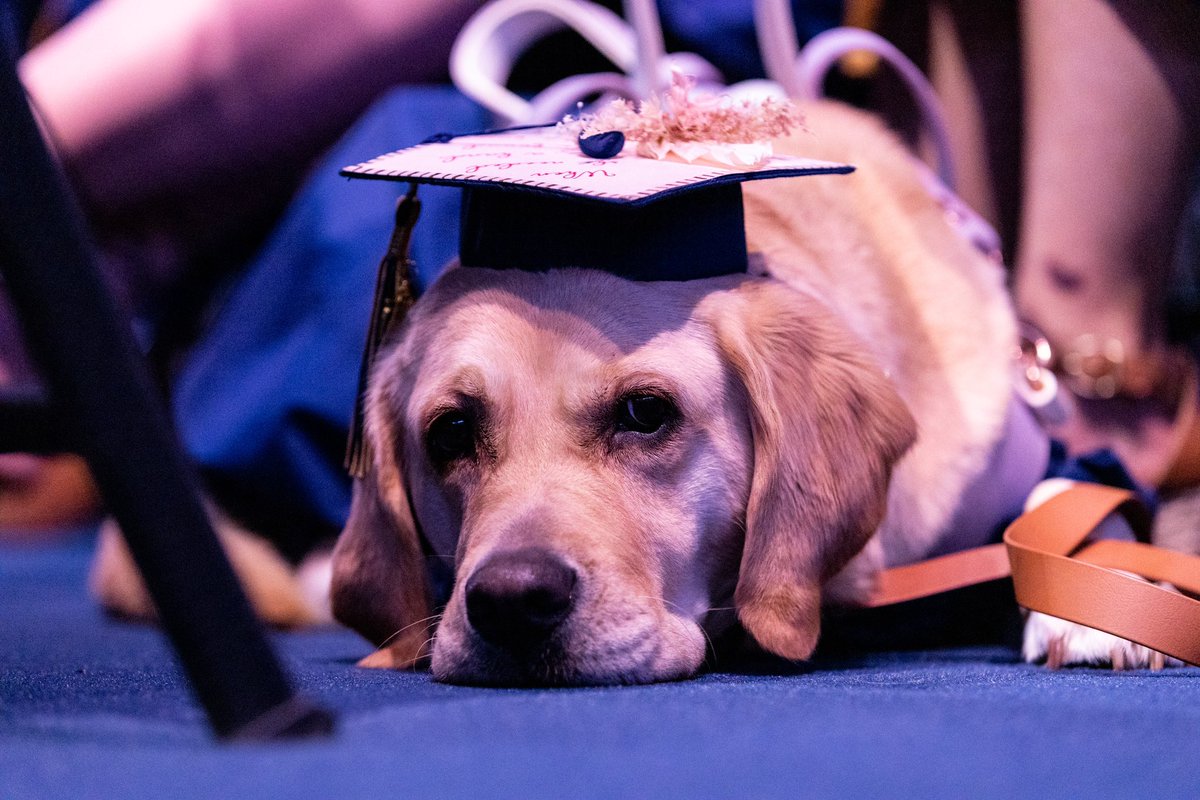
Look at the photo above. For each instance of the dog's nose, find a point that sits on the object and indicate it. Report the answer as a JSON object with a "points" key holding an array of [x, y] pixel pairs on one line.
{"points": [[518, 598]]}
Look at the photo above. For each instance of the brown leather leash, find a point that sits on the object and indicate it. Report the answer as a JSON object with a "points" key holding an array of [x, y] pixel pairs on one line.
{"points": [[1055, 571]]}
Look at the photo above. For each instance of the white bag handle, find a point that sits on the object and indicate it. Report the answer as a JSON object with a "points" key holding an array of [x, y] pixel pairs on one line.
{"points": [[814, 62], [778, 46], [647, 27], [823, 51], [488, 46], [802, 72], [494, 38]]}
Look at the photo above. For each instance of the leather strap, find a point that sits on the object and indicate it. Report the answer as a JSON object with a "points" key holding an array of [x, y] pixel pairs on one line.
{"points": [[941, 574], [1055, 572]]}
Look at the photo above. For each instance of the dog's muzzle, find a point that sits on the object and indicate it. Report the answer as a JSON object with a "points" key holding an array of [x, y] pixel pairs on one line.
{"points": [[517, 599]]}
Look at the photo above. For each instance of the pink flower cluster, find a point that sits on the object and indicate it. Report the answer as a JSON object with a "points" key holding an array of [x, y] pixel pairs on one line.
{"points": [[684, 116]]}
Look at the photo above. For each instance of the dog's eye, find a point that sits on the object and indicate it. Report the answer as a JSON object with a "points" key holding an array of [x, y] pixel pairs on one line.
{"points": [[450, 437], [643, 413]]}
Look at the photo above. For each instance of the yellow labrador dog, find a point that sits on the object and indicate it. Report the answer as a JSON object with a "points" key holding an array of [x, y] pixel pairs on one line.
{"points": [[615, 470], [580, 479]]}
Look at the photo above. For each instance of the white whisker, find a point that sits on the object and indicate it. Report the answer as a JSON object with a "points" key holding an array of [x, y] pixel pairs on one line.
{"points": [[429, 622]]}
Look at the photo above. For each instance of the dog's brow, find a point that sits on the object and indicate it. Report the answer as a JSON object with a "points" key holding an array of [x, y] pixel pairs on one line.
{"points": [[465, 383], [598, 404], [643, 380], [468, 381]]}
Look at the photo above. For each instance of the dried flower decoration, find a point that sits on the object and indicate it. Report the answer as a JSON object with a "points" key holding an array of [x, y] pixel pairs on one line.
{"points": [[691, 127]]}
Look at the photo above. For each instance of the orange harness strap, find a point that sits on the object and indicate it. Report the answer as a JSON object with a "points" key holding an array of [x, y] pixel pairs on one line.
{"points": [[1055, 572]]}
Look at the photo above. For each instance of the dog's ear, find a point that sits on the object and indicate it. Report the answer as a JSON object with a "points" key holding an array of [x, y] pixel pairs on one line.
{"points": [[380, 587], [827, 429]]}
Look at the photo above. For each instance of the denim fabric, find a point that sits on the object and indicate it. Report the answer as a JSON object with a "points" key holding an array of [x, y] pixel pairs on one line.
{"points": [[264, 401]]}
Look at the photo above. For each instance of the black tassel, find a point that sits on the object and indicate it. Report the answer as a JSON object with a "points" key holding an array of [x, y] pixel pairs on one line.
{"points": [[394, 295]]}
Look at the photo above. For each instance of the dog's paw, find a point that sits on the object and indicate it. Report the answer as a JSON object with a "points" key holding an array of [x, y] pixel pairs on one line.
{"points": [[1059, 643], [280, 595]]}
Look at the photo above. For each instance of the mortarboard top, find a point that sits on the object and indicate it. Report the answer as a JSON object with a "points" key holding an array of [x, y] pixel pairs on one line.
{"points": [[532, 200]]}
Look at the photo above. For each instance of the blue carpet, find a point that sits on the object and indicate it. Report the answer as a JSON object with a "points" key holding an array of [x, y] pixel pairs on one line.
{"points": [[94, 708]]}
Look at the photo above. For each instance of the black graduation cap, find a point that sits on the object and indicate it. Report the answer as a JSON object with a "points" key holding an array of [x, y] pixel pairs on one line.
{"points": [[532, 199]]}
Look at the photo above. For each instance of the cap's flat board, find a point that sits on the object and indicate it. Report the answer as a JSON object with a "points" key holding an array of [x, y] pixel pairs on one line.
{"points": [[549, 160]]}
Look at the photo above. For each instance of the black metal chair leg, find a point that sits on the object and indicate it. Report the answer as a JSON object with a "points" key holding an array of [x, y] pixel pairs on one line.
{"points": [[101, 388]]}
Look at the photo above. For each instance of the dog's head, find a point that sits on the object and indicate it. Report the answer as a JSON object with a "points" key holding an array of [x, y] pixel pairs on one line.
{"points": [[609, 466]]}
